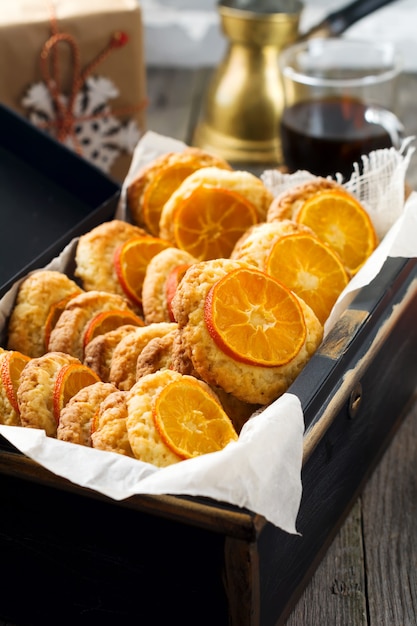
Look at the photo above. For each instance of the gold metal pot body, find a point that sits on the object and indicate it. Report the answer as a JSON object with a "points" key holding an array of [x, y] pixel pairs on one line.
{"points": [[244, 102]]}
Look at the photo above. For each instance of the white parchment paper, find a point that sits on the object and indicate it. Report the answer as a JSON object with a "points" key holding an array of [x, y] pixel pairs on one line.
{"points": [[262, 470]]}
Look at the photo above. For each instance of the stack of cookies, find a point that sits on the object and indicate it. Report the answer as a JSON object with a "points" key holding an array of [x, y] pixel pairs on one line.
{"points": [[176, 328]]}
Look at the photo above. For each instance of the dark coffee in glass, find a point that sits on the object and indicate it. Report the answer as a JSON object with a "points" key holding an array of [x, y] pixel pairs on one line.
{"points": [[328, 135], [339, 96]]}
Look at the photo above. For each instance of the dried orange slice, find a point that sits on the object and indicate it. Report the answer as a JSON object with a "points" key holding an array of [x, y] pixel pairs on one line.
{"points": [[171, 284], [162, 186], [70, 379], [131, 260], [109, 320], [11, 368], [255, 319], [209, 221], [310, 268], [190, 421], [341, 221], [53, 316]]}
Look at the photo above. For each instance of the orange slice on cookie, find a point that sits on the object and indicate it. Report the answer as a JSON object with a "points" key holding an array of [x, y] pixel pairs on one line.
{"points": [[190, 421], [310, 268], [341, 221], [161, 187], [107, 321], [12, 365], [70, 379], [209, 221], [157, 180], [131, 260], [53, 316], [255, 319]]}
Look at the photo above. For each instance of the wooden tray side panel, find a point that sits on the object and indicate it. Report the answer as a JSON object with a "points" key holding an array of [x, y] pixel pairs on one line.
{"points": [[72, 560]]}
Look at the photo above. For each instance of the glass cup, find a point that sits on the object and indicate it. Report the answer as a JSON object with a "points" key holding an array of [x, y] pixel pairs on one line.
{"points": [[339, 102]]}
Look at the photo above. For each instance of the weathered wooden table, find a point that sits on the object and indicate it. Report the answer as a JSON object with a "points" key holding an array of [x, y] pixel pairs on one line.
{"points": [[369, 574]]}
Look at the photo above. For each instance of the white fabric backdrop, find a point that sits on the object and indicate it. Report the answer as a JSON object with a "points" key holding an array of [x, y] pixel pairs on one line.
{"points": [[186, 33]]}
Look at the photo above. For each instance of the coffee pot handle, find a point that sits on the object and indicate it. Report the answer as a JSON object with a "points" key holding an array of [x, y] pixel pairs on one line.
{"points": [[339, 21]]}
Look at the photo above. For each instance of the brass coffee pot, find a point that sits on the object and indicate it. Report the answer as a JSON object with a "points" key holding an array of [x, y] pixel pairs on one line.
{"points": [[244, 102]]}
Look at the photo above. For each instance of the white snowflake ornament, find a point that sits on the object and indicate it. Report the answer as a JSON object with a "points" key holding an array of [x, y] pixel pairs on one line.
{"points": [[83, 120]]}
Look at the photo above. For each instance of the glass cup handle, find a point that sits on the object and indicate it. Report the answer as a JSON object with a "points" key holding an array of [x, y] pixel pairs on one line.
{"points": [[389, 121]]}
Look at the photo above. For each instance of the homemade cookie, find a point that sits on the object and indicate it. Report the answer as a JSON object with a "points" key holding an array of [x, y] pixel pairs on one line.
{"points": [[110, 432], [98, 352], [11, 364], [145, 441], [125, 354], [287, 204], [254, 246], [68, 334], [38, 304], [76, 416], [156, 355], [150, 441], [160, 280], [156, 181], [244, 183], [95, 252], [35, 394], [251, 383], [336, 217]]}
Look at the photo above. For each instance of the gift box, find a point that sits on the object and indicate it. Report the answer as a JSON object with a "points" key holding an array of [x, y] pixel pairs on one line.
{"points": [[76, 70]]}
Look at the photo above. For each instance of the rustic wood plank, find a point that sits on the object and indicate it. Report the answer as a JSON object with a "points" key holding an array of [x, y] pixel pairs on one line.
{"points": [[389, 524], [369, 574], [336, 594], [174, 101]]}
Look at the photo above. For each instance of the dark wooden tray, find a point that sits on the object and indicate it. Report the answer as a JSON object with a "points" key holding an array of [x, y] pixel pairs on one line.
{"points": [[86, 559], [49, 196]]}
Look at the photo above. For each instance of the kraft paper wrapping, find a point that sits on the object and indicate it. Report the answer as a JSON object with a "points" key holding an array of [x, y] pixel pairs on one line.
{"points": [[26, 25]]}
